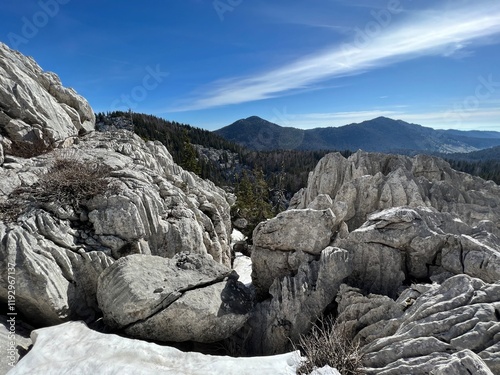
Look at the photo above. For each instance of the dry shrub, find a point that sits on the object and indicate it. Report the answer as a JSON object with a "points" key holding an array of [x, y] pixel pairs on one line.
{"points": [[329, 343], [11, 209], [71, 181]]}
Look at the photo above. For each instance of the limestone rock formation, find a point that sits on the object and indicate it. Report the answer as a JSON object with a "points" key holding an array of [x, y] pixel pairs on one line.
{"points": [[296, 302], [368, 182], [284, 242], [150, 252], [58, 250], [364, 314], [146, 295], [309, 231], [34, 106], [53, 281], [152, 207], [405, 243], [449, 328]]}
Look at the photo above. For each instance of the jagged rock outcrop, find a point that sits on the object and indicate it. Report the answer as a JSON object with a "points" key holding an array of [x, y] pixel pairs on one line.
{"points": [[152, 207], [72, 348], [296, 302], [34, 106], [284, 242], [452, 328], [366, 314], [146, 296], [368, 182], [53, 283], [403, 243]]}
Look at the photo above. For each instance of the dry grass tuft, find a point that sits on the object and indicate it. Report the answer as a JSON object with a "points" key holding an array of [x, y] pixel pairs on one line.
{"points": [[11, 209], [69, 182], [330, 344]]}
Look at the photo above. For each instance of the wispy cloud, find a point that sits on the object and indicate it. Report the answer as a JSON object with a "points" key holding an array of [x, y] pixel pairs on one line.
{"points": [[431, 33]]}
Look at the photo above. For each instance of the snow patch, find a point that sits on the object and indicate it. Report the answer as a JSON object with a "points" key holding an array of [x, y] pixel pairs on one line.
{"points": [[243, 267], [73, 348], [237, 236]]}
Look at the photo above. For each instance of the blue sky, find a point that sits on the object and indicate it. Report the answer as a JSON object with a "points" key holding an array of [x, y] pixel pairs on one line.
{"points": [[301, 63]]}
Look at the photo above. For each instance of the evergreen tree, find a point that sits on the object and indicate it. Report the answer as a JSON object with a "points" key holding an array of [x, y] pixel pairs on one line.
{"points": [[253, 199], [262, 205], [189, 155], [245, 195]]}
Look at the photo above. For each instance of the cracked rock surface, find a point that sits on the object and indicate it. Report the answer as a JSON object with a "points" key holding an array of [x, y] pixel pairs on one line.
{"points": [[296, 302], [450, 328], [405, 243], [283, 243], [146, 295]]}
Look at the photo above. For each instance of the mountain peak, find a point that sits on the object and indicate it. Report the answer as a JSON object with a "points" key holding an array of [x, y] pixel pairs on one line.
{"points": [[381, 134], [255, 118]]}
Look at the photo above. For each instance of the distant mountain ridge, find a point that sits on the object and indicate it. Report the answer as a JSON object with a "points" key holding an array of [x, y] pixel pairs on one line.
{"points": [[381, 134]]}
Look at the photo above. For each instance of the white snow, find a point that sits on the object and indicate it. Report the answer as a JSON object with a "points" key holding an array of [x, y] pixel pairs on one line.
{"points": [[237, 236], [73, 348], [243, 266]]}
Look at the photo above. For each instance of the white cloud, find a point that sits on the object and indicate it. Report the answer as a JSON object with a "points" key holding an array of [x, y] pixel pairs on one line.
{"points": [[438, 33]]}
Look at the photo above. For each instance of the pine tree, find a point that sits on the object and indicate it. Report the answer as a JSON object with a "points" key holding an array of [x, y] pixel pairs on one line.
{"points": [[262, 207], [253, 199], [245, 194], [189, 155]]}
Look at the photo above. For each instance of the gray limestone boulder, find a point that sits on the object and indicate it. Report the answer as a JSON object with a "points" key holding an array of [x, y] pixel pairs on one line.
{"points": [[187, 298], [54, 282], [464, 362], [282, 244], [368, 316], [35, 106], [152, 207], [306, 230]]}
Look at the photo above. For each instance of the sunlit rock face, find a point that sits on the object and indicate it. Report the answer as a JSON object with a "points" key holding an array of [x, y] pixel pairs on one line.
{"points": [[35, 106]]}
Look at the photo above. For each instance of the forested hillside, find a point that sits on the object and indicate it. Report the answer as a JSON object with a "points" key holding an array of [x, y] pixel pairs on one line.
{"points": [[483, 163], [380, 134]]}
